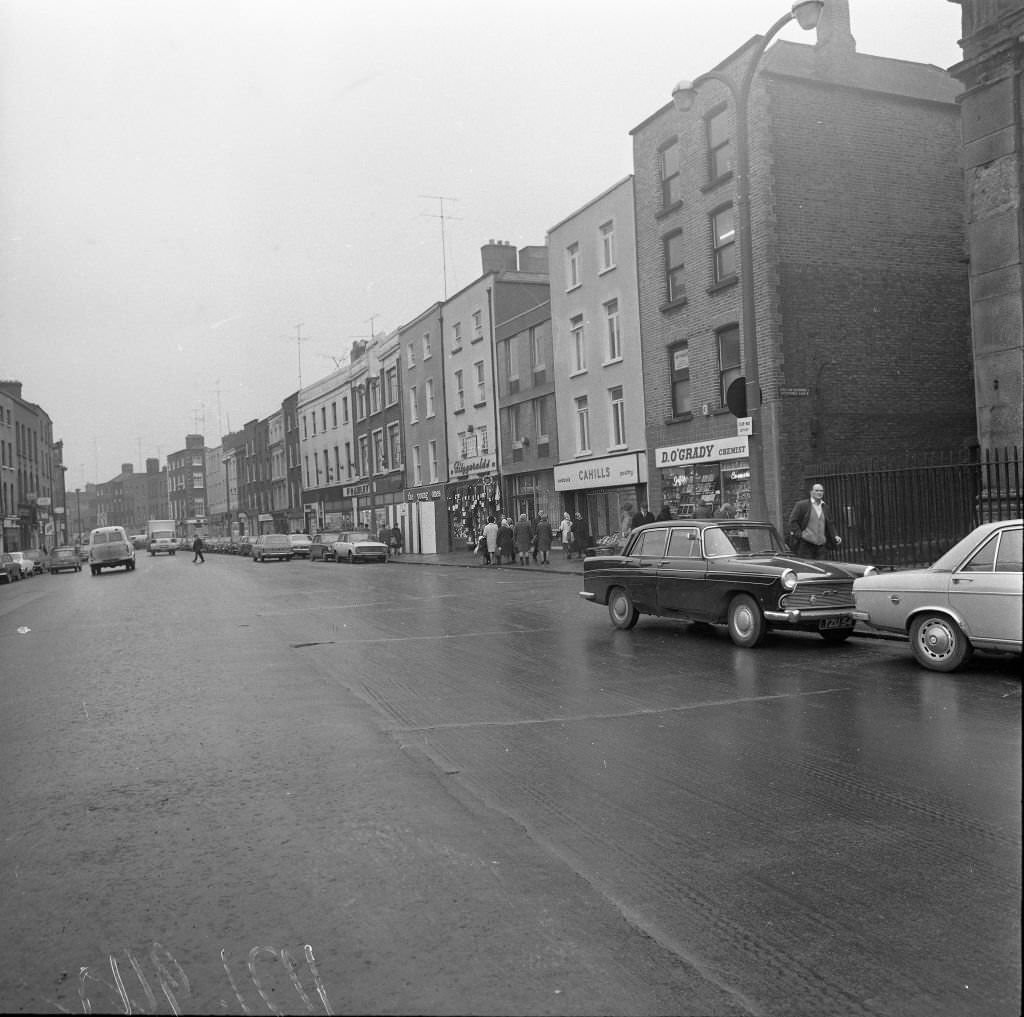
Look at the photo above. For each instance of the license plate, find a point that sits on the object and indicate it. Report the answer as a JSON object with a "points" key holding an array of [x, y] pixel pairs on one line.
{"points": [[840, 621]]}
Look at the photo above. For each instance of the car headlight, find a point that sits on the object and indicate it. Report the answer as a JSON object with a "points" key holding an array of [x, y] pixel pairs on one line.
{"points": [[788, 580]]}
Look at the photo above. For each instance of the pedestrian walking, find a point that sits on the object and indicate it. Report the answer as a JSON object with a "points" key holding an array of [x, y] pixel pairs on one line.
{"points": [[506, 541], [565, 531], [664, 514], [647, 514], [523, 538], [810, 526], [491, 536], [395, 540], [197, 551], [580, 535], [543, 537]]}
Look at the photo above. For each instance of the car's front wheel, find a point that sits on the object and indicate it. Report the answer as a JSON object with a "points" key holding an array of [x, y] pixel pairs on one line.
{"points": [[938, 642], [746, 623], [621, 609]]}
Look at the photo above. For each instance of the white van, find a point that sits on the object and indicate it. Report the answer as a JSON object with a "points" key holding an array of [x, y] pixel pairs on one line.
{"points": [[109, 548]]}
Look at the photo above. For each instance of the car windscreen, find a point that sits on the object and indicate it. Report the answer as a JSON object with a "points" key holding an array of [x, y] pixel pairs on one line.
{"points": [[356, 538], [740, 538]]}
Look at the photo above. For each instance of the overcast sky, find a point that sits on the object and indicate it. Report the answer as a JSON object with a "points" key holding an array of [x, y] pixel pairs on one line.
{"points": [[183, 184]]}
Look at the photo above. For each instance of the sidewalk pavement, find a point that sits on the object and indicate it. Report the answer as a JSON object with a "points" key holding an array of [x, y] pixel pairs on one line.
{"points": [[466, 559]]}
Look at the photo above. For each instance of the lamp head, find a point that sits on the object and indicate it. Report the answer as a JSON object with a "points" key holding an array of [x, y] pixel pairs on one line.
{"points": [[807, 12], [684, 95]]}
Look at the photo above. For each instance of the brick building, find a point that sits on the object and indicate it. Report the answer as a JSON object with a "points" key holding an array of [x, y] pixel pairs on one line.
{"points": [[859, 283], [992, 105]]}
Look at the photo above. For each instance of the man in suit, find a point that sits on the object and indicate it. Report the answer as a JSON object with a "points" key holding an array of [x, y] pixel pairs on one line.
{"points": [[810, 526]]}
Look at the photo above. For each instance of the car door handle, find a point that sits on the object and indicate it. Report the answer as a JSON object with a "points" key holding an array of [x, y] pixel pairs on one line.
{"points": [[962, 579]]}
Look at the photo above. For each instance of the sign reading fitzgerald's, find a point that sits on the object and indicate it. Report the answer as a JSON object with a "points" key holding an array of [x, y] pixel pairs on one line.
{"points": [[708, 451]]}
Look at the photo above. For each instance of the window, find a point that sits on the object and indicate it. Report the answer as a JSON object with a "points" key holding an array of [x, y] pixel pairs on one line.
{"points": [[478, 326], [511, 359], [514, 429], [323, 418], [344, 409], [679, 368], [669, 168], [579, 347], [391, 385], [536, 348], [540, 418], [432, 455], [728, 359], [327, 468], [426, 345], [410, 356], [467, 441], [379, 452], [197, 479], [460, 393], [607, 233], [611, 313], [582, 425], [617, 420], [334, 414], [457, 336], [572, 266], [481, 386], [719, 144], [373, 386], [723, 233], [675, 285], [414, 412], [394, 445], [417, 466], [337, 464], [305, 430], [428, 395], [481, 437]]}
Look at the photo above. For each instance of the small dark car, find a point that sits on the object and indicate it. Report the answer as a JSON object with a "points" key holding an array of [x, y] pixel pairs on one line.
{"points": [[65, 559], [723, 572], [322, 546], [10, 570]]}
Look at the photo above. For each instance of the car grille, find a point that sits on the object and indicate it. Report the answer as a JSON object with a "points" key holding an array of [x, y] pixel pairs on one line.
{"points": [[815, 598]]}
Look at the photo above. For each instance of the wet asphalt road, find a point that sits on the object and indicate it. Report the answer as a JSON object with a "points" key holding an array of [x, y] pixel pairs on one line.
{"points": [[286, 787]]}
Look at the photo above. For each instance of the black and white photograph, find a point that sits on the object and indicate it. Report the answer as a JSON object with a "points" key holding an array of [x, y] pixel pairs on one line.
{"points": [[511, 510]]}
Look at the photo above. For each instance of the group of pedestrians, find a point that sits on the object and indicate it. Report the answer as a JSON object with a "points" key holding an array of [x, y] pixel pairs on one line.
{"points": [[529, 542]]}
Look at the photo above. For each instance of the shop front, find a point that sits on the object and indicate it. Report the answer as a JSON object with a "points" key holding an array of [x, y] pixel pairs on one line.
{"points": [[532, 494], [332, 509], [601, 490], [473, 494], [426, 520], [704, 478]]}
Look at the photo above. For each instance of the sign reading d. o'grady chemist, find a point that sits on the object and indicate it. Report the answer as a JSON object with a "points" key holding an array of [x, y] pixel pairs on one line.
{"points": [[710, 451]]}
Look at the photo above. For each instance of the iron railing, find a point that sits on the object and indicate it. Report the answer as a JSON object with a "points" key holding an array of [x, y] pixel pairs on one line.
{"points": [[906, 514]]}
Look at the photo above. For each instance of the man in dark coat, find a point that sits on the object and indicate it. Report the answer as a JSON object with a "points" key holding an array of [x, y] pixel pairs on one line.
{"points": [[580, 535], [811, 531]]}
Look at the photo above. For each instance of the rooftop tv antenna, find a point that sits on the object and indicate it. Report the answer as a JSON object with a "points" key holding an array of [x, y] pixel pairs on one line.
{"points": [[441, 199]]}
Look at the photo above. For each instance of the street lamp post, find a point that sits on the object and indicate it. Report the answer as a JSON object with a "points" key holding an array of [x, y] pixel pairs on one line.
{"points": [[806, 13]]}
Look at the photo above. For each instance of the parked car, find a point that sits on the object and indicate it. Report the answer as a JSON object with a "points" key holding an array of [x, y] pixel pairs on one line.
{"points": [[25, 564], [38, 559], [109, 547], [722, 571], [358, 545], [83, 552], [969, 599], [10, 570], [322, 546], [64, 559], [301, 543], [245, 544], [272, 545]]}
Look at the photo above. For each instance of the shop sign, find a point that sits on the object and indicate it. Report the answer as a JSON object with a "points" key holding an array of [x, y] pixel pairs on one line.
{"points": [[43, 502], [709, 451], [263, 517], [615, 471], [356, 490], [462, 468], [424, 494]]}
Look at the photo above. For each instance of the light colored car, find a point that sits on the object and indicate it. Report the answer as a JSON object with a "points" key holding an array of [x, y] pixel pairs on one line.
{"points": [[25, 565], [272, 545], [110, 548], [969, 599], [301, 543], [358, 545], [38, 559], [322, 548]]}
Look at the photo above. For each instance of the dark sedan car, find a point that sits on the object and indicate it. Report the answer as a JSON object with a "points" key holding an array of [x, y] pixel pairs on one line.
{"points": [[322, 546], [10, 570], [723, 571], [64, 559]]}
